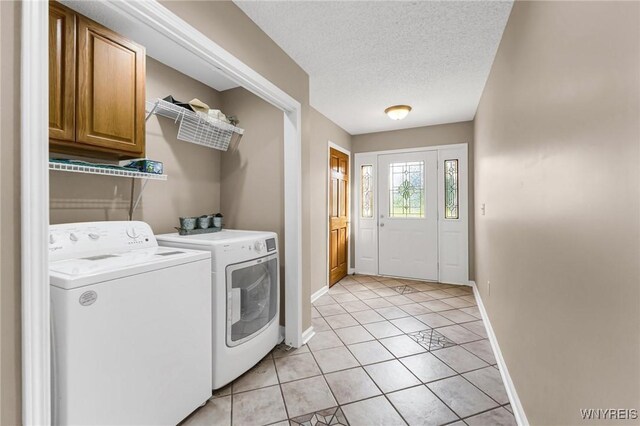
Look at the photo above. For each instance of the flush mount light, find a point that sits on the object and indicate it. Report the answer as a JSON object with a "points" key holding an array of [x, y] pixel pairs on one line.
{"points": [[397, 112]]}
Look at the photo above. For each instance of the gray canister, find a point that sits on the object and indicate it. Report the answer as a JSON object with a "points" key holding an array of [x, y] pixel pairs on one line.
{"points": [[203, 222]]}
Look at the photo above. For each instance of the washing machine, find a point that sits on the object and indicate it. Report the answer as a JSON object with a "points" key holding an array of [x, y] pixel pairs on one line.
{"points": [[131, 326], [246, 296]]}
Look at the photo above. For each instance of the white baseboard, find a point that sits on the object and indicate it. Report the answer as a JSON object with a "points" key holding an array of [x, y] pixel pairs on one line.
{"points": [[307, 335], [516, 405], [351, 271], [465, 284], [315, 296]]}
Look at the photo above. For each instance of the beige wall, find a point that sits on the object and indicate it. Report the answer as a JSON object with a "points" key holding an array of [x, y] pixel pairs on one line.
{"points": [[418, 137], [252, 174], [557, 164], [10, 369], [227, 25], [193, 185], [322, 131]]}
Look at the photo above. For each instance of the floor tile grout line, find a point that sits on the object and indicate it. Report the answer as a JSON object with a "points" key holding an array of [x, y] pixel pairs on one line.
{"points": [[479, 388], [410, 372], [363, 367], [418, 353], [284, 401], [418, 319], [325, 380], [464, 378], [452, 308], [458, 374], [397, 411], [428, 326], [421, 383], [394, 356], [425, 385], [405, 283], [360, 365], [483, 412]]}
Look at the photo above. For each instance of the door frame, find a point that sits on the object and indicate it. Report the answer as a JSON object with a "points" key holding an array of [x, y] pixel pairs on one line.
{"points": [[34, 187], [345, 151], [356, 199]]}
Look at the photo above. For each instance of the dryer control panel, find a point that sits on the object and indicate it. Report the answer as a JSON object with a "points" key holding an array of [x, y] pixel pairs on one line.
{"points": [[271, 244], [259, 246], [72, 240]]}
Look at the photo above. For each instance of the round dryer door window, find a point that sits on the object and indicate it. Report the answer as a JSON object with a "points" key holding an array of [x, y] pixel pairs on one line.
{"points": [[252, 298]]}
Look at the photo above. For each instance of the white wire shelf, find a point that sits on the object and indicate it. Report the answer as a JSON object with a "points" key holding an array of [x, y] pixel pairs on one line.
{"points": [[96, 170], [197, 128]]}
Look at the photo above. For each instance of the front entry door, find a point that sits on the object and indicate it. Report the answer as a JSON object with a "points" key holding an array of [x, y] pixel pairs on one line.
{"points": [[408, 208], [338, 215]]}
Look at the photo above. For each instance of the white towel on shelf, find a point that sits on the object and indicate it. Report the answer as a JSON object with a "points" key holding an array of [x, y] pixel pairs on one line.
{"points": [[216, 113]]}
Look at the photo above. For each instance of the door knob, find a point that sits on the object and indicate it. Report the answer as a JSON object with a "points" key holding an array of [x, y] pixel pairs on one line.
{"points": [[382, 224]]}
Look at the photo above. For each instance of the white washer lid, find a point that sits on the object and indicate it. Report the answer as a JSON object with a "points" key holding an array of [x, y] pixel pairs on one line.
{"points": [[78, 272]]}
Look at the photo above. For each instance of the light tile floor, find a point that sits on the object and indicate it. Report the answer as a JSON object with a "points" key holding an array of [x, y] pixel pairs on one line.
{"points": [[386, 352]]}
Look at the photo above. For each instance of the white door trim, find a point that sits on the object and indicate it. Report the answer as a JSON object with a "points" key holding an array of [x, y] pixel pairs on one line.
{"points": [[36, 382], [337, 148], [356, 194], [326, 219], [34, 192]]}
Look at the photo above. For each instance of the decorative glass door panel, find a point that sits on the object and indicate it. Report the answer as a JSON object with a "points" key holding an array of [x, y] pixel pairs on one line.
{"points": [[406, 186]]}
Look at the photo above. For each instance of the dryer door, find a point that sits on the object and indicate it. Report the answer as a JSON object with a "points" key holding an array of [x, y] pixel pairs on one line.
{"points": [[252, 298]]}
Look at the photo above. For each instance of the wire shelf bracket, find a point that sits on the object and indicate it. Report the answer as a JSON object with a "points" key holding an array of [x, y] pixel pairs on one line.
{"points": [[97, 170]]}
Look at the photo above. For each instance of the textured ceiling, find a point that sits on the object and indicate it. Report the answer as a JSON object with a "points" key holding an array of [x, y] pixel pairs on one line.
{"points": [[363, 56]]}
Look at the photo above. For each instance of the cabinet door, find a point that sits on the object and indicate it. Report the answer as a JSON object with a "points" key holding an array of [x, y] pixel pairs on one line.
{"points": [[62, 70], [111, 90]]}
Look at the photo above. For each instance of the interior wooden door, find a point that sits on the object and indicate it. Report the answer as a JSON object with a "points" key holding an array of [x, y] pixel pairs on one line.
{"points": [[111, 90], [338, 215]]}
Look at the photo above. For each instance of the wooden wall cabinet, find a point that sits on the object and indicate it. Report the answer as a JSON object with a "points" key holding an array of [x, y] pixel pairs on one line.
{"points": [[62, 73], [96, 89]]}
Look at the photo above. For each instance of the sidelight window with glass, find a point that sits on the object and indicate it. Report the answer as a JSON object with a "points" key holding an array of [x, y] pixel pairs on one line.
{"points": [[451, 189], [366, 191]]}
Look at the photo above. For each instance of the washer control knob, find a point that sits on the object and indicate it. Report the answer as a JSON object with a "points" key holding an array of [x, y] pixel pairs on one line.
{"points": [[94, 236], [52, 239], [132, 233], [73, 237], [259, 245]]}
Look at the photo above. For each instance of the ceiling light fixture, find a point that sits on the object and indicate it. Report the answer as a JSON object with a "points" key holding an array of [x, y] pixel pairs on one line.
{"points": [[397, 112]]}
